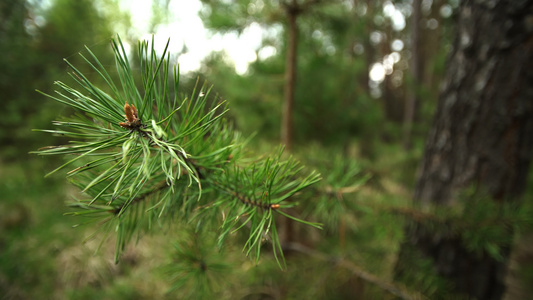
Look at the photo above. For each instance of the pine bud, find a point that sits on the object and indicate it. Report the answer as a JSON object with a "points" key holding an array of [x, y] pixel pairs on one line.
{"points": [[129, 112]]}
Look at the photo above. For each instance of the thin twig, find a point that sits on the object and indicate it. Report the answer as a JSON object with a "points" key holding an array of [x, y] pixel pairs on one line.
{"points": [[391, 288], [245, 200], [160, 186]]}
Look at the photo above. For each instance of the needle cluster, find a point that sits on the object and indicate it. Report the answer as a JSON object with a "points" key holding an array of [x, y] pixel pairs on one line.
{"points": [[144, 155]]}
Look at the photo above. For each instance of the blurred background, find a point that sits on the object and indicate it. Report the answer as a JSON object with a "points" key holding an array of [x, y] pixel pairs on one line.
{"points": [[363, 77]]}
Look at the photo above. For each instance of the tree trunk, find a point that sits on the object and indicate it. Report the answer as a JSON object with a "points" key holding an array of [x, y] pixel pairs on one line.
{"points": [[392, 97], [411, 103], [290, 76], [481, 136]]}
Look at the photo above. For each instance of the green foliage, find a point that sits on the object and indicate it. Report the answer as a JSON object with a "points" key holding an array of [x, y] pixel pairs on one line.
{"points": [[198, 269], [35, 37], [335, 204], [332, 103], [255, 110], [169, 157], [220, 188], [425, 279], [264, 185], [483, 224], [237, 15], [28, 246], [17, 63], [477, 225], [488, 226], [68, 20]]}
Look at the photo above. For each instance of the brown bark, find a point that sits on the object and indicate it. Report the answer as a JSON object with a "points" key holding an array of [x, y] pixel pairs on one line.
{"points": [[411, 103], [367, 46], [392, 96], [481, 137], [292, 12]]}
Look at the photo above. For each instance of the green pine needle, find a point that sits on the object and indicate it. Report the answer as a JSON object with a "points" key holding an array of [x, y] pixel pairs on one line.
{"points": [[141, 154]]}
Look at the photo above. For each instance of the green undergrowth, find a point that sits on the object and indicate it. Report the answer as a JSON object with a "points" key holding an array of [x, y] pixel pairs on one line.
{"points": [[45, 257]]}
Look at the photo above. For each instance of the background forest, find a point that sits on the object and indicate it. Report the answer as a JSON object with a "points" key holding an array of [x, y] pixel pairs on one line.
{"points": [[350, 87]]}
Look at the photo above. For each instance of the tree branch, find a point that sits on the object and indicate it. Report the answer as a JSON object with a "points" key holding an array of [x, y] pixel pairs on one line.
{"points": [[160, 186], [391, 288]]}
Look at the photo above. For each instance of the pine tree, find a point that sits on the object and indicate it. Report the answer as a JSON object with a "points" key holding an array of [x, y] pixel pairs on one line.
{"points": [[477, 154]]}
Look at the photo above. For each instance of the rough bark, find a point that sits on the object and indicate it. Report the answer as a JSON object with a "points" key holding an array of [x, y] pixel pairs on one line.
{"points": [[481, 136]]}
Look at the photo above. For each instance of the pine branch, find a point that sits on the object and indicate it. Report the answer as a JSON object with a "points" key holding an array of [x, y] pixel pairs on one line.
{"points": [[156, 189], [134, 145], [254, 202]]}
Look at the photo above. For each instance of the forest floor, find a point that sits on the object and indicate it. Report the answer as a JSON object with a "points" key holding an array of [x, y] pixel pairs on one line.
{"points": [[44, 256]]}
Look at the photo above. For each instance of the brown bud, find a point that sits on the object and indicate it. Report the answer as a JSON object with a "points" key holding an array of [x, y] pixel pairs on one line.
{"points": [[135, 114], [129, 112]]}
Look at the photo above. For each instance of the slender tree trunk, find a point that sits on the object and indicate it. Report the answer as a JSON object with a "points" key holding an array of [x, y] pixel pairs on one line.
{"points": [[481, 136], [412, 100], [363, 86], [290, 75], [292, 11], [392, 97]]}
